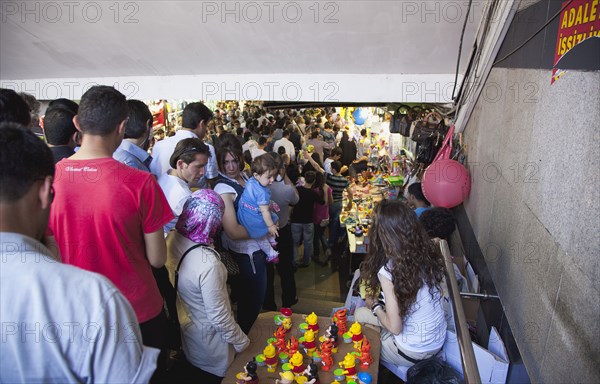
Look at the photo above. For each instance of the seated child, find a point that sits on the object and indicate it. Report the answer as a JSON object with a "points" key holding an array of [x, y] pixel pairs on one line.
{"points": [[254, 207]]}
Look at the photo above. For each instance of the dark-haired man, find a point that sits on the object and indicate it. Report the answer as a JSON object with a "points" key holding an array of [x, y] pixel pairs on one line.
{"points": [[195, 120], [59, 323], [109, 217], [416, 199], [60, 132], [13, 108], [133, 150]]}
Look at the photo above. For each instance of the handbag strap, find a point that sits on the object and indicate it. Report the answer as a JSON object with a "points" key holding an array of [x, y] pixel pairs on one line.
{"points": [[183, 257]]}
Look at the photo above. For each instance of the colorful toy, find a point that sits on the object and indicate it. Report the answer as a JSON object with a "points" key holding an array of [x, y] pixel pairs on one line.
{"points": [[283, 357], [313, 324], [297, 361], [365, 355], [357, 336], [364, 378], [326, 358], [292, 346], [309, 343], [286, 378], [280, 339], [338, 374], [349, 365], [311, 374], [332, 334], [339, 318], [270, 358], [286, 323], [249, 375]]}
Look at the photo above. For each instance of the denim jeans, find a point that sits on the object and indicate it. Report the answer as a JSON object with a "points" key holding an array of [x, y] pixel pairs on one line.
{"points": [[303, 232], [335, 210], [250, 286]]}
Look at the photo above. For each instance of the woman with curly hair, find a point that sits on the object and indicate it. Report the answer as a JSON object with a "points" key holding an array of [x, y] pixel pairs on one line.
{"points": [[402, 274]]}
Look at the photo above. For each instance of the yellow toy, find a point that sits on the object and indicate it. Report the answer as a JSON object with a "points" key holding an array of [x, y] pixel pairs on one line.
{"points": [[357, 336], [297, 361], [349, 365], [286, 378], [286, 322], [313, 324], [270, 358], [309, 342]]}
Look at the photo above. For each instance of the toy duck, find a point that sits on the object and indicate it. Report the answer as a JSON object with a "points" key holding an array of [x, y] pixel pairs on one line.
{"points": [[365, 355], [311, 374], [313, 324], [249, 376], [357, 336], [287, 377], [326, 358], [349, 365], [297, 361], [309, 343], [339, 318], [292, 346], [270, 358]]}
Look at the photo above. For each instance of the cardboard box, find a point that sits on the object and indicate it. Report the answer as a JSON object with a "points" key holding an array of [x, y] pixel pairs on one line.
{"points": [[492, 363], [470, 304]]}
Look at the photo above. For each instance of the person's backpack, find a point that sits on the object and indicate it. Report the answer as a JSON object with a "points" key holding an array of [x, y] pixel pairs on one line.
{"points": [[238, 188]]}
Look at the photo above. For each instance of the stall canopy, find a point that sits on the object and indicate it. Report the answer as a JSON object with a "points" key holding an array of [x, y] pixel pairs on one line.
{"points": [[359, 51]]}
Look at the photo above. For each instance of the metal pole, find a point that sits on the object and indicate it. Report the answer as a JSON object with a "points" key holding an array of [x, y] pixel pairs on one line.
{"points": [[471, 372]]}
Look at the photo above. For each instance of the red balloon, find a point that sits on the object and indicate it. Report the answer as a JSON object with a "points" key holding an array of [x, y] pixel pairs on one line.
{"points": [[446, 183]]}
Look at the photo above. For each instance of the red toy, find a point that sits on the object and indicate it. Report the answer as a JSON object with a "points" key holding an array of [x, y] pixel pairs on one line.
{"points": [[365, 355], [292, 346], [339, 318], [326, 354], [280, 336]]}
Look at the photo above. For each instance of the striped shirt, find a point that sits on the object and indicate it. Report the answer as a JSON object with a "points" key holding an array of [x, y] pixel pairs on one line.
{"points": [[337, 184]]}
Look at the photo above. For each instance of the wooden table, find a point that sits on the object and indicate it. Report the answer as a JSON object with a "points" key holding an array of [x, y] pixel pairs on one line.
{"points": [[263, 329]]}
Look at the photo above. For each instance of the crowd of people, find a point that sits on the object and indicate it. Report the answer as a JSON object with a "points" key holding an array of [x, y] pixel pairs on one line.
{"points": [[131, 233]]}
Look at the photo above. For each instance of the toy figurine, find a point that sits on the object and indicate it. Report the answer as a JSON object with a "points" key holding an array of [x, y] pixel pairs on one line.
{"points": [[365, 354], [331, 334], [249, 375], [286, 318], [309, 343], [312, 376], [292, 346], [364, 378], [349, 365], [357, 336], [280, 339], [297, 361], [287, 377], [326, 358], [313, 323], [270, 358], [339, 318]]}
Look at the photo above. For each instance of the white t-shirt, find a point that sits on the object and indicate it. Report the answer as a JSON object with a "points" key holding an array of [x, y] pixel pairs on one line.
{"points": [[177, 192], [424, 328], [327, 165], [255, 152], [288, 145]]}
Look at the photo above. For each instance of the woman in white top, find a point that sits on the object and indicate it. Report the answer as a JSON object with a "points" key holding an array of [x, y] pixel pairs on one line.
{"points": [[210, 335], [405, 268], [188, 165]]}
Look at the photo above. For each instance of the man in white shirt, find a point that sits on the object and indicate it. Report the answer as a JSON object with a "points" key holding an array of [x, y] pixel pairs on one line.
{"points": [[260, 148], [195, 120], [287, 144], [59, 323]]}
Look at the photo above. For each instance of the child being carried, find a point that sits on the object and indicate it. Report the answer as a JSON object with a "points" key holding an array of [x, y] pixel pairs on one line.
{"points": [[254, 207]]}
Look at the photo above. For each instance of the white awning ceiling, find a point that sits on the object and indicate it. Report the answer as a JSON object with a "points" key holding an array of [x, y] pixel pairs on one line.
{"points": [[361, 51]]}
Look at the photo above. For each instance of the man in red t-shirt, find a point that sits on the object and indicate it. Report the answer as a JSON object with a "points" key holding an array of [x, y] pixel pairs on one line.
{"points": [[108, 217]]}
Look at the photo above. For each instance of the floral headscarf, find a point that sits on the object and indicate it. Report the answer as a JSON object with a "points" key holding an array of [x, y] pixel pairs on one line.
{"points": [[201, 217]]}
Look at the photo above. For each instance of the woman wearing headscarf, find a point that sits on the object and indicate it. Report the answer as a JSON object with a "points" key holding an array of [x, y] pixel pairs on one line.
{"points": [[210, 335]]}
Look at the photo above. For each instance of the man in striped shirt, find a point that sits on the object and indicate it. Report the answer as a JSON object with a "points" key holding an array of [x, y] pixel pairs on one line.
{"points": [[337, 183]]}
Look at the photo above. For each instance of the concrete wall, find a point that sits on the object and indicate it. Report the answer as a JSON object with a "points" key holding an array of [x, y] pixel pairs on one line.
{"points": [[534, 155]]}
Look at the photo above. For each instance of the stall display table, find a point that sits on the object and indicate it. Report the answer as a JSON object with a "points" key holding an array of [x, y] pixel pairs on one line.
{"points": [[265, 327]]}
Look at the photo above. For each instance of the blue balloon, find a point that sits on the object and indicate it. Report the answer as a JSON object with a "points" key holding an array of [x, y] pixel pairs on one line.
{"points": [[360, 115]]}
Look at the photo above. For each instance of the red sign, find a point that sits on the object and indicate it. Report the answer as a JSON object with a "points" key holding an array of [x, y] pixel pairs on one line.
{"points": [[579, 21]]}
